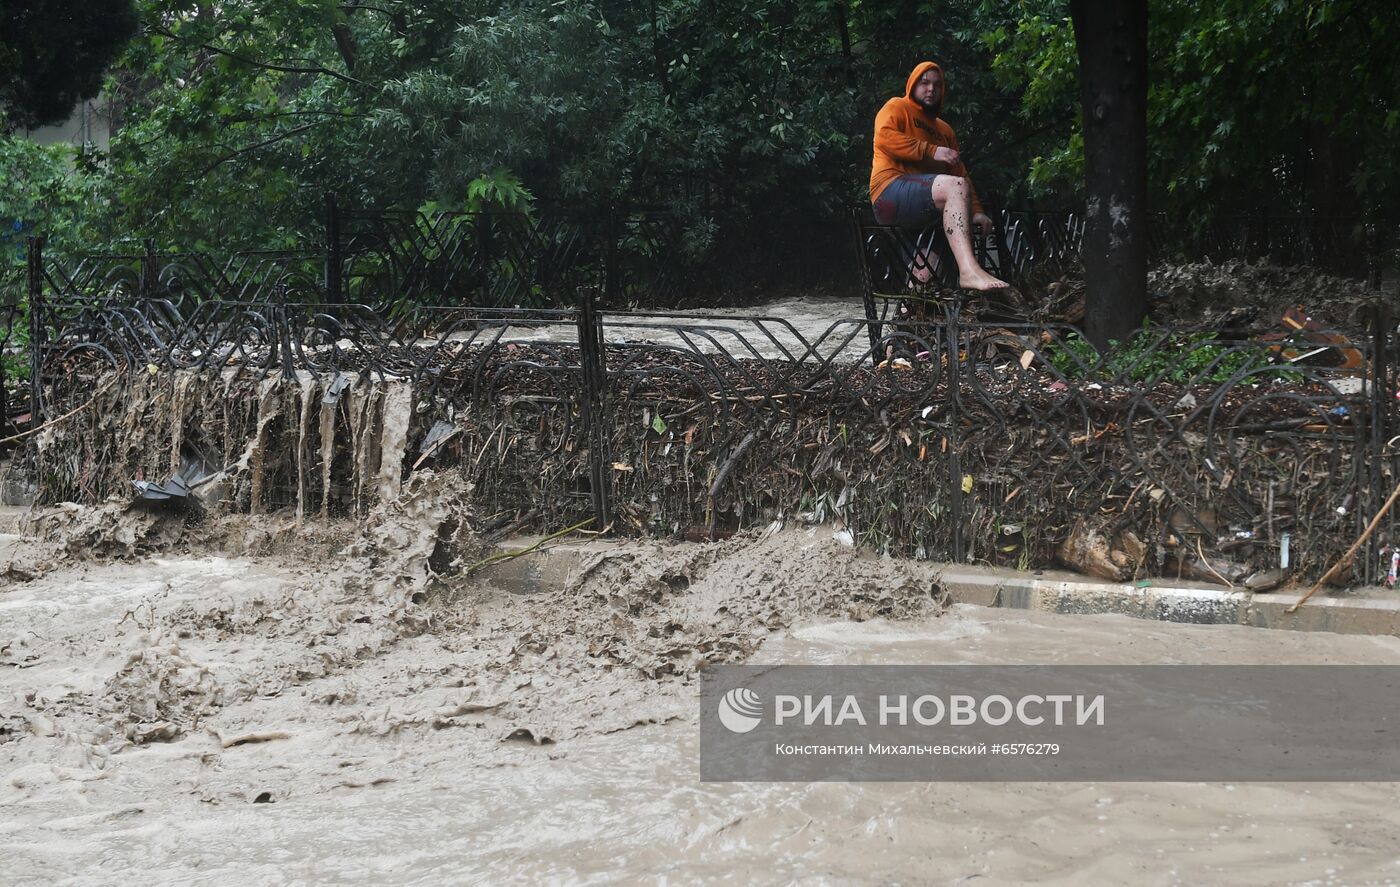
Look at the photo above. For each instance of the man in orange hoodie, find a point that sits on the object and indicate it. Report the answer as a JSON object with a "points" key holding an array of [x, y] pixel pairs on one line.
{"points": [[918, 173]]}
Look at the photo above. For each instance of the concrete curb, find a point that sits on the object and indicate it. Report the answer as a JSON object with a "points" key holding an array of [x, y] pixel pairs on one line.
{"points": [[1048, 592], [1200, 605]]}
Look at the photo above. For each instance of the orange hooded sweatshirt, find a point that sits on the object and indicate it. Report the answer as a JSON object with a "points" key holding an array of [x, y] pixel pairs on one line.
{"points": [[906, 137]]}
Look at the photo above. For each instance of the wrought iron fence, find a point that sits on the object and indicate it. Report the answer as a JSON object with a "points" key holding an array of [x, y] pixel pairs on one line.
{"points": [[934, 436], [939, 438], [902, 267], [397, 259], [394, 261], [1029, 248]]}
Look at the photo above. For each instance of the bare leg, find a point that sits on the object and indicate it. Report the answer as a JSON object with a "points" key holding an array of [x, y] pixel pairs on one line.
{"points": [[922, 265], [950, 195]]}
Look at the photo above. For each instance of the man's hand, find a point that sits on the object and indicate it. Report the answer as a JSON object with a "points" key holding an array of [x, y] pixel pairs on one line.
{"points": [[945, 155], [982, 223]]}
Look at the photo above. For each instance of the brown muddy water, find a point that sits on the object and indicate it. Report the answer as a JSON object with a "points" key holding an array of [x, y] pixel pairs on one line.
{"points": [[196, 717]]}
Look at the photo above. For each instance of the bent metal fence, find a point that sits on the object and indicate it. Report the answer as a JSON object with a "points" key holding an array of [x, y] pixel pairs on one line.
{"points": [[319, 379], [1205, 453], [1030, 249]]}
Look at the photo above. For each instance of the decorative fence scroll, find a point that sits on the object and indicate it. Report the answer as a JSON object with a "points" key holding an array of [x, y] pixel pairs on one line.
{"points": [[948, 440], [1216, 450]]}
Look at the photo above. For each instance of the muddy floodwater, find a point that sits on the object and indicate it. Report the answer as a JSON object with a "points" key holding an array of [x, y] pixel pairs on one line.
{"points": [[218, 718]]}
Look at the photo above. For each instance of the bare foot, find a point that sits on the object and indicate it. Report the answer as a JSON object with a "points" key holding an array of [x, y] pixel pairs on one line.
{"points": [[981, 280]]}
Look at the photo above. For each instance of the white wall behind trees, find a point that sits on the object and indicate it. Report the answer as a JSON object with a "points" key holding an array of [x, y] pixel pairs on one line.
{"points": [[90, 123]]}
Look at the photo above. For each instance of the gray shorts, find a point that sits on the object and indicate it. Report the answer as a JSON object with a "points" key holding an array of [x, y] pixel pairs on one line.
{"points": [[907, 201]]}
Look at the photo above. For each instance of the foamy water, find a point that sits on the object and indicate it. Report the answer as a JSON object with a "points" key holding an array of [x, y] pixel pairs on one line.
{"points": [[359, 790]]}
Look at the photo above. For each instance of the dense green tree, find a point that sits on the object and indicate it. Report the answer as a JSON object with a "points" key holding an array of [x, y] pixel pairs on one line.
{"points": [[54, 53], [750, 118], [1277, 105]]}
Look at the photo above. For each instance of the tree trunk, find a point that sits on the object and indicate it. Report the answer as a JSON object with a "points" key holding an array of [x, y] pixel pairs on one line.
{"points": [[345, 44], [1111, 39], [1333, 203], [661, 79], [842, 29]]}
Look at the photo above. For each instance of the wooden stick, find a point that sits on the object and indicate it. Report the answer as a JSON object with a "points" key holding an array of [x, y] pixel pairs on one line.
{"points": [[1201, 551], [729, 463], [1351, 552], [510, 555]]}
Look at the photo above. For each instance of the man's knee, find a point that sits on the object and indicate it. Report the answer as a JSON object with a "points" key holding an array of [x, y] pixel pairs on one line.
{"points": [[947, 182], [946, 186]]}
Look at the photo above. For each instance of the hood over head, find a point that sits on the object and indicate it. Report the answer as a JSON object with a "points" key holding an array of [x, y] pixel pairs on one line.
{"points": [[918, 72]]}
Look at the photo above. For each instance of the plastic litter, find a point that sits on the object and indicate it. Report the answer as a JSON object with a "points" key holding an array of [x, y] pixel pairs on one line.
{"points": [[173, 487], [336, 389]]}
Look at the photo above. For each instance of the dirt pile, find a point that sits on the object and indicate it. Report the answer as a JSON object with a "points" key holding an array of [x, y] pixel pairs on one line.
{"points": [[115, 529], [351, 602], [1205, 293], [159, 694], [597, 655], [429, 518], [429, 529], [359, 602], [1233, 293], [667, 609]]}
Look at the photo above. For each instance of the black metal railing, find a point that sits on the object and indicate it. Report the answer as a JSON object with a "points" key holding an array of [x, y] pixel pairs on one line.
{"points": [[934, 436], [939, 439], [1029, 248]]}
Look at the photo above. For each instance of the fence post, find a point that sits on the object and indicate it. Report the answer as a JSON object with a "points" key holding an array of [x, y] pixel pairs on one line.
{"points": [[334, 262], [282, 330], [873, 324], [595, 406], [149, 271], [1382, 428], [485, 240], [955, 472], [612, 274], [35, 296]]}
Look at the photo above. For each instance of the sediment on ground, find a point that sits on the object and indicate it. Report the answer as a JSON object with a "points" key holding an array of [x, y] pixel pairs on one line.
{"points": [[245, 628], [1006, 464]]}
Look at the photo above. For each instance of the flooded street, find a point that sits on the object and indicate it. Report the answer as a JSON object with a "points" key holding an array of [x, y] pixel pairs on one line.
{"points": [[415, 759]]}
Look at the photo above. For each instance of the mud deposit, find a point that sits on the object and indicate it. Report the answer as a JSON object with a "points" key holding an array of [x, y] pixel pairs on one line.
{"points": [[243, 701]]}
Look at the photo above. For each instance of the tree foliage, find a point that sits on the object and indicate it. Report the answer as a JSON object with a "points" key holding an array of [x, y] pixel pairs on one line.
{"points": [[744, 116], [54, 53], [750, 118], [38, 192], [1284, 105]]}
